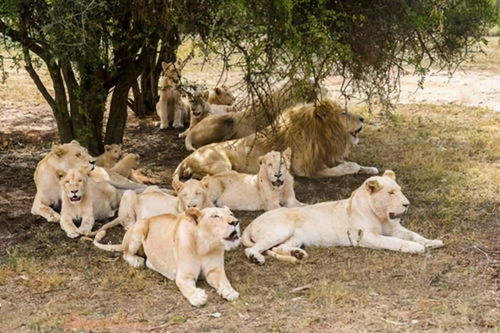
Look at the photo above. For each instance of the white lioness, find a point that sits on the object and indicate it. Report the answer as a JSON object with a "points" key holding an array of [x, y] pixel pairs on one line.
{"points": [[85, 201], [270, 188], [369, 218], [184, 248], [202, 108], [154, 201], [108, 159], [171, 106], [220, 96]]}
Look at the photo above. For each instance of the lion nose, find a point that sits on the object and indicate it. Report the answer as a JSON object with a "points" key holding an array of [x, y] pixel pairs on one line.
{"points": [[235, 223], [278, 175], [361, 119], [405, 205], [74, 192]]}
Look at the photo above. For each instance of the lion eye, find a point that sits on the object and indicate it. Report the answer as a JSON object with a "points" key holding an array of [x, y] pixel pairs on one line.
{"points": [[392, 192], [78, 155], [215, 216]]}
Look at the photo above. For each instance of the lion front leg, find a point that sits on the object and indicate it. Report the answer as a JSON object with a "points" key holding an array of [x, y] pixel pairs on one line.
{"points": [[43, 210], [87, 225], [218, 280], [69, 227], [403, 233], [187, 285], [345, 168], [373, 241], [288, 195], [161, 111]]}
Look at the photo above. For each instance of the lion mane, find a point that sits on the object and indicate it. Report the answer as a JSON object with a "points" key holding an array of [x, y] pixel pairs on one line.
{"points": [[315, 132]]}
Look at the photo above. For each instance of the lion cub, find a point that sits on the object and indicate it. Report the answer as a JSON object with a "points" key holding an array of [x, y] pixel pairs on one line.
{"points": [[270, 188], [126, 164], [184, 248], [84, 200], [108, 159]]}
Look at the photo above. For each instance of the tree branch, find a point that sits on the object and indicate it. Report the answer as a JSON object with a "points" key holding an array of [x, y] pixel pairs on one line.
{"points": [[38, 82], [25, 41]]}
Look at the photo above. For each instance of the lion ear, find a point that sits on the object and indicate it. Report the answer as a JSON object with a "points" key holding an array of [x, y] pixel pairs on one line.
{"points": [[218, 91], [60, 174], [107, 147], [85, 170], [205, 181], [390, 174], [74, 142], [194, 213], [177, 184], [164, 65], [205, 95], [260, 160], [58, 150], [373, 186]]}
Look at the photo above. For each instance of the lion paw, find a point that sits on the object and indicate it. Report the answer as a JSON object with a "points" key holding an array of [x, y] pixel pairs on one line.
{"points": [[229, 293], [299, 254], [198, 298], [178, 125], [85, 231], [369, 170], [254, 256], [72, 234], [134, 261], [434, 244], [413, 248]]}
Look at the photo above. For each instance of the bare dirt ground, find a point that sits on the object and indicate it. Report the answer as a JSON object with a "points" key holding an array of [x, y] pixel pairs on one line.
{"points": [[446, 154]]}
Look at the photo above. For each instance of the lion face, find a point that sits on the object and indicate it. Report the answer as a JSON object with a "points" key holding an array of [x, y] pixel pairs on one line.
{"points": [[353, 125], [171, 72], [275, 165], [199, 106], [71, 155], [220, 223], [386, 199], [223, 96], [73, 183], [191, 193], [114, 150]]}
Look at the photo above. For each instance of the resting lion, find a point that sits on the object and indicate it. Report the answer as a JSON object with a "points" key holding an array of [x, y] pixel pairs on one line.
{"points": [[125, 166], [270, 188], [154, 201], [220, 96], [84, 201], [201, 108], [108, 159], [369, 218], [319, 135], [184, 248], [64, 157]]}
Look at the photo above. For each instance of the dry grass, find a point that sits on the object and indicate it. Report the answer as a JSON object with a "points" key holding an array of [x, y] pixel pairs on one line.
{"points": [[447, 159]]}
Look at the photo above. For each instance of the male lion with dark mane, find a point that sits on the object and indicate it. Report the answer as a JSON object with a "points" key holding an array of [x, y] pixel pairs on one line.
{"points": [[319, 135]]}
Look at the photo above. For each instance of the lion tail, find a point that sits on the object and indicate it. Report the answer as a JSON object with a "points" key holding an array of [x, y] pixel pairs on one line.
{"points": [[107, 226], [246, 239], [106, 247]]}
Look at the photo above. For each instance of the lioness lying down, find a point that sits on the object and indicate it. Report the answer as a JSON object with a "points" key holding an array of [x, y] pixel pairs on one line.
{"points": [[85, 201], [270, 188], [369, 218], [154, 201], [184, 248]]}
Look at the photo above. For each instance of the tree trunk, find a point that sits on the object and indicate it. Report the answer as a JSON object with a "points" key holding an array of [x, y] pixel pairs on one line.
{"points": [[118, 113]]}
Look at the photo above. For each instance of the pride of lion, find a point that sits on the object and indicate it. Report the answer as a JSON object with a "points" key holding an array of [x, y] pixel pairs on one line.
{"points": [[242, 159]]}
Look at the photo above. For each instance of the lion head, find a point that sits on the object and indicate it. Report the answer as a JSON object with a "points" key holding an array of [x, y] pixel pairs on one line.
{"points": [[199, 105], [114, 151], [217, 223], [221, 96], [170, 71], [192, 193], [386, 201], [73, 183], [274, 166], [70, 155]]}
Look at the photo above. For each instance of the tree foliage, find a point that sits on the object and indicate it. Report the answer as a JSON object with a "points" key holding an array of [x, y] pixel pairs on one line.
{"points": [[94, 47]]}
